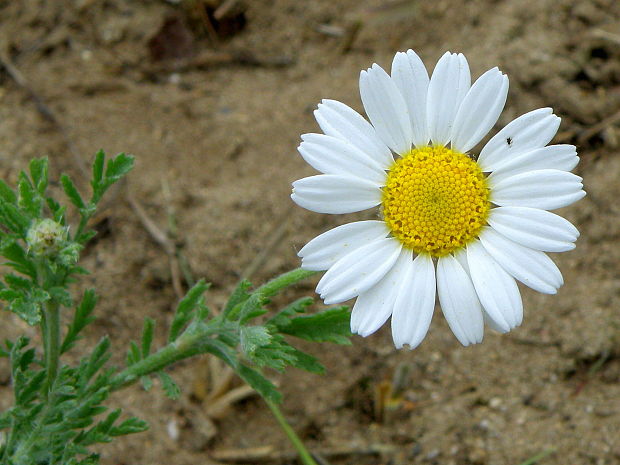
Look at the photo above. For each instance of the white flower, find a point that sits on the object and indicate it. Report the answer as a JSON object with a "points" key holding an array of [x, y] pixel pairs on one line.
{"points": [[446, 225]]}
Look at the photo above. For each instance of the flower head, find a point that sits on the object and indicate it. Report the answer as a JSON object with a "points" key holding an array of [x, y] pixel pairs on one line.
{"points": [[461, 225]]}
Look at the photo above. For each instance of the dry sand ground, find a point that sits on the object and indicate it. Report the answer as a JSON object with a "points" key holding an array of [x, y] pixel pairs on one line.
{"points": [[221, 131]]}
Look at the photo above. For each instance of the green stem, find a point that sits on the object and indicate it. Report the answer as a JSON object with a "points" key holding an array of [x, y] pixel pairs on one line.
{"points": [[284, 280], [81, 227], [538, 457], [51, 327], [304, 454], [164, 357]]}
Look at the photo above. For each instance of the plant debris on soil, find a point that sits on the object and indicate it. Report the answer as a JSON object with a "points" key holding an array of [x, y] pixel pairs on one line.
{"points": [[211, 97]]}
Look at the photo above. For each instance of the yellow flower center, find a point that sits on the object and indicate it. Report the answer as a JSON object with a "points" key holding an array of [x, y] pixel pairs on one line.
{"points": [[435, 200]]}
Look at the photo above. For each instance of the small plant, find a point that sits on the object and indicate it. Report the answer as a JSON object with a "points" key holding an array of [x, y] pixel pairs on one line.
{"points": [[60, 410]]}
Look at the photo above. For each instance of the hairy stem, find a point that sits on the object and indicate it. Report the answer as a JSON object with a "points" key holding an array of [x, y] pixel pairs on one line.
{"points": [[51, 325], [283, 281], [161, 359], [304, 454]]}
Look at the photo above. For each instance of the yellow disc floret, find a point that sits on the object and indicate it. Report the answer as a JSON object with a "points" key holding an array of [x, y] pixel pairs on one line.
{"points": [[435, 200]]}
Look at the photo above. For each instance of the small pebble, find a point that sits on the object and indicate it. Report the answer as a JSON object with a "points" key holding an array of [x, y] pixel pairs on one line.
{"points": [[173, 429], [495, 402]]}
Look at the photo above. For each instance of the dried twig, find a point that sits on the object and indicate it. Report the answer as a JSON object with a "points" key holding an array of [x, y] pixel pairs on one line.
{"points": [[224, 9], [168, 240], [598, 127], [173, 234], [330, 30], [603, 34], [221, 376], [43, 109], [198, 7], [351, 33], [163, 240], [219, 408], [271, 454], [275, 237], [533, 342]]}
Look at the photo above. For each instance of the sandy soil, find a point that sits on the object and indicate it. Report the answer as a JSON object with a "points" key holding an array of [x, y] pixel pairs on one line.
{"points": [[217, 121]]}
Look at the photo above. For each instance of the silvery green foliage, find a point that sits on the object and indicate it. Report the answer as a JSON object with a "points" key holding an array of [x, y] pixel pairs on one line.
{"points": [[59, 411]]}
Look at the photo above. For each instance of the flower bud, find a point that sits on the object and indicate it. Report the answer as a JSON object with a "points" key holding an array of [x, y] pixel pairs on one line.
{"points": [[46, 237]]}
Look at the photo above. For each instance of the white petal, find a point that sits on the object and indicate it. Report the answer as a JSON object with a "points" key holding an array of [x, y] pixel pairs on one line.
{"points": [[330, 155], [338, 120], [479, 110], [373, 307], [410, 76], [497, 290], [491, 324], [447, 88], [558, 157], [358, 271], [330, 193], [544, 189], [415, 302], [386, 109], [459, 302], [532, 267], [327, 248], [532, 130], [534, 228], [461, 257]]}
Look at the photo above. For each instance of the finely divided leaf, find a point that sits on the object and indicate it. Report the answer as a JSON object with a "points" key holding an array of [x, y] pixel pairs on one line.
{"points": [[133, 354], [307, 362], [29, 198], [170, 387], [252, 338], [98, 169], [38, 172], [147, 336], [19, 261], [118, 167], [99, 356], [7, 194], [14, 219], [250, 309], [129, 426], [57, 210], [27, 310], [147, 383], [331, 325], [186, 308], [261, 384], [81, 318], [221, 350], [283, 317], [71, 192], [61, 295], [238, 296]]}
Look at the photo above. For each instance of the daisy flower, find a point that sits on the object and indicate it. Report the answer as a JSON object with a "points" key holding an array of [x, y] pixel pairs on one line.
{"points": [[454, 223]]}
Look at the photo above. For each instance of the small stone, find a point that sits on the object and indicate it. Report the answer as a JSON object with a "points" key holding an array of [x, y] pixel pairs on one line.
{"points": [[495, 402], [485, 424], [173, 429]]}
